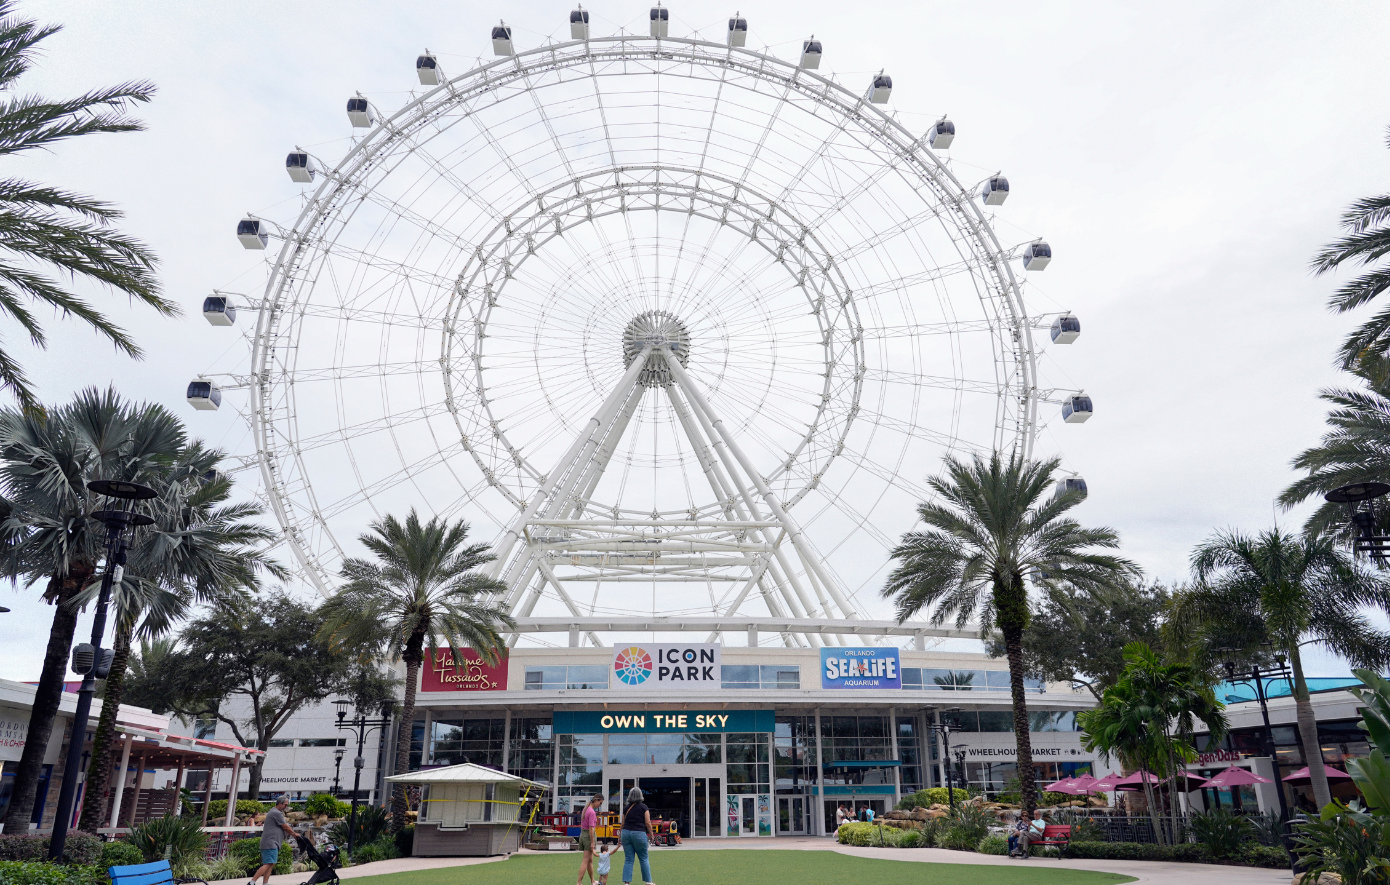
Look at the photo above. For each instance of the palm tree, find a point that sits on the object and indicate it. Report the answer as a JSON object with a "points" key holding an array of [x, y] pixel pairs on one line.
{"points": [[995, 531], [1120, 726], [423, 591], [1299, 591], [1367, 240], [49, 228], [46, 461], [201, 550], [1355, 449]]}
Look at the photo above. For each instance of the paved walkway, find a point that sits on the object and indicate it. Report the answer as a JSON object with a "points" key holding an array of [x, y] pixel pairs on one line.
{"points": [[1149, 872]]}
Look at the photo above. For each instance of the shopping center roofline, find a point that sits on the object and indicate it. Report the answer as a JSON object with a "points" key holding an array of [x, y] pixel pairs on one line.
{"points": [[669, 624], [716, 699]]}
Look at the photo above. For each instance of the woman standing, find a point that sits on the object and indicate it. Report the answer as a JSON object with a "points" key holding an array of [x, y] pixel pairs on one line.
{"points": [[636, 836], [588, 835]]}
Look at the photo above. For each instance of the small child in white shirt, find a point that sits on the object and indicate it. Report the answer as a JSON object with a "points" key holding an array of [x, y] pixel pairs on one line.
{"points": [[605, 862]]}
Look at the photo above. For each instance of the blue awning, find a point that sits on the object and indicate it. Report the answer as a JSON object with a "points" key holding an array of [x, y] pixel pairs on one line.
{"points": [[886, 763]]}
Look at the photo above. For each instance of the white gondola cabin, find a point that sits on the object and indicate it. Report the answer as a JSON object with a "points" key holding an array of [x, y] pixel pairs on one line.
{"points": [[1065, 329], [738, 31], [427, 69], [1077, 409], [881, 88], [579, 24], [210, 476], [204, 395], [810, 53], [253, 233], [1037, 255], [218, 312], [469, 810], [301, 167], [995, 190], [502, 40], [661, 21], [941, 134], [1071, 484], [360, 113]]}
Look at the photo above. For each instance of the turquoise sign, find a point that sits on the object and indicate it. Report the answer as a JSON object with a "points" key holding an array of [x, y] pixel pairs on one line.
{"points": [[660, 721]]}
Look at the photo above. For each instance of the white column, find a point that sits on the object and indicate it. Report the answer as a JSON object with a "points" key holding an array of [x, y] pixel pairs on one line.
{"points": [[232, 789], [819, 829], [120, 781], [898, 769], [506, 738]]}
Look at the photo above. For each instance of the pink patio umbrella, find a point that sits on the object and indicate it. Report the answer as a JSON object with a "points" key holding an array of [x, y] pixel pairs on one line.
{"points": [[1235, 777], [1187, 781], [1107, 783], [1135, 782], [1087, 783], [1066, 785], [1302, 778]]}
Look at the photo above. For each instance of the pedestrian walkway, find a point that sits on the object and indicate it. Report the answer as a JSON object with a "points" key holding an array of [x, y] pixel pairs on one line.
{"points": [[1148, 872]]}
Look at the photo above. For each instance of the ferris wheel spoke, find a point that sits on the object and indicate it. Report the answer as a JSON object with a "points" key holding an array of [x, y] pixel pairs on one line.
{"points": [[964, 385]]}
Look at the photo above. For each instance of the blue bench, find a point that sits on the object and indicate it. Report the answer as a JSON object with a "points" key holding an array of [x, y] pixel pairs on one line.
{"points": [[157, 873]]}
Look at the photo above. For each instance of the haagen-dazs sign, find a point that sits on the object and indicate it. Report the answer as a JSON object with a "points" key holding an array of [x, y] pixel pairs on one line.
{"points": [[463, 671], [657, 666]]}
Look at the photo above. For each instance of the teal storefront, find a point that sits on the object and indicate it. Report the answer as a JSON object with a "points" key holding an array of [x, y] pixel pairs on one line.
{"points": [[708, 770]]}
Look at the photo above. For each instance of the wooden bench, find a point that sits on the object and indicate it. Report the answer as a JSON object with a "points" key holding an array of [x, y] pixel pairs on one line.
{"points": [[1057, 835], [157, 873]]}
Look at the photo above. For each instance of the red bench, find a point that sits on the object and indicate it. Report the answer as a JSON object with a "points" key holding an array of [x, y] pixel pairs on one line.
{"points": [[1057, 835]]}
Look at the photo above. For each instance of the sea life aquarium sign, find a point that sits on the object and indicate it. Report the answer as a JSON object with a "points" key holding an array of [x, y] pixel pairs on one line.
{"points": [[661, 721]]}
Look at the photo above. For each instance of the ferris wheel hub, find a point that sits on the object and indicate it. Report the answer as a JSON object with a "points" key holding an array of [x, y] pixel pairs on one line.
{"points": [[657, 329]]}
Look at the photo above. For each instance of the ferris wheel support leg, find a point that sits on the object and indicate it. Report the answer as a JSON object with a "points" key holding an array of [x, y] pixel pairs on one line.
{"points": [[793, 530], [564, 595], [706, 419], [599, 464], [584, 444]]}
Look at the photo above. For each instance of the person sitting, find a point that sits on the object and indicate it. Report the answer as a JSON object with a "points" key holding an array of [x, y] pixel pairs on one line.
{"points": [[1033, 832], [1017, 826]]}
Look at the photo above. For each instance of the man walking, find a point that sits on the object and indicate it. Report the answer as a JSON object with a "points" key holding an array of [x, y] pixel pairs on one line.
{"points": [[272, 834]]}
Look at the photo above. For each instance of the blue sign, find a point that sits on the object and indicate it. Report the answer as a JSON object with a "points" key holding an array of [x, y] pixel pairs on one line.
{"points": [[660, 721], [860, 668]]}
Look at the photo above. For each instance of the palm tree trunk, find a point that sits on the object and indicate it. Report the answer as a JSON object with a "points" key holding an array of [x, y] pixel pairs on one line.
{"points": [[1027, 783], [97, 792], [1153, 810], [1308, 730], [47, 696], [412, 658]]}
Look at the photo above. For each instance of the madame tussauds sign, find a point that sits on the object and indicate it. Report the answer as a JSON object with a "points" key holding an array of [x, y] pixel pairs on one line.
{"points": [[464, 671]]}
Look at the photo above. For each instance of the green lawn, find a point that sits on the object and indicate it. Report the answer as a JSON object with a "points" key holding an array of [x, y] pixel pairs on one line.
{"points": [[752, 866]]}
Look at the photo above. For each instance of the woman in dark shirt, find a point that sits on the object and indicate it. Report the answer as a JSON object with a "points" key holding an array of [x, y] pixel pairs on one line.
{"points": [[636, 836]]}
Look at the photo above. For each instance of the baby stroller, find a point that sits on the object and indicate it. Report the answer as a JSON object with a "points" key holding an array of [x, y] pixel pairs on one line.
{"points": [[326, 859]]}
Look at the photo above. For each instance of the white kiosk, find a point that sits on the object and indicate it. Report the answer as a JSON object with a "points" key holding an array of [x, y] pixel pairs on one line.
{"points": [[468, 810]]}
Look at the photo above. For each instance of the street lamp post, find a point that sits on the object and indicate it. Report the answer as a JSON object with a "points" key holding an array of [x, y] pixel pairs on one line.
{"points": [[360, 724], [337, 766], [91, 660], [1256, 680], [944, 729]]}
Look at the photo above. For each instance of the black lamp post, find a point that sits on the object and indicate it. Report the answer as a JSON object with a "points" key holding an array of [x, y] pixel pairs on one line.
{"points": [[337, 766], [360, 724], [944, 729], [1360, 499], [90, 660], [1256, 681]]}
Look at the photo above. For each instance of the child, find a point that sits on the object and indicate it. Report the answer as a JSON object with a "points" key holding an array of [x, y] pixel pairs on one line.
{"points": [[605, 862]]}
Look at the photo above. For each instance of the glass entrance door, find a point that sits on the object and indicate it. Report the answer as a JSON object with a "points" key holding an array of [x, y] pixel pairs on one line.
{"points": [[791, 815]]}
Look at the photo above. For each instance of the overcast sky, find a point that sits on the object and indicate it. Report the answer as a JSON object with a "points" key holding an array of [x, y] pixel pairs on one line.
{"points": [[1185, 161]]}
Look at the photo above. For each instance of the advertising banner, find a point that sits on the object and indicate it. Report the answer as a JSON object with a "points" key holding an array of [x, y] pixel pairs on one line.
{"points": [[654, 666], [660, 721], [860, 668], [469, 673]]}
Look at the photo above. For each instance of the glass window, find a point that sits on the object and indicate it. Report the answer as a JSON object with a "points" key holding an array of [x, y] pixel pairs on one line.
{"points": [[997, 680], [545, 678], [589, 677], [282, 742], [322, 742], [739, 676], [969, 680], [911, 677], [938, 680], [1052, 720], [996, 720], [963, 720], [780, 676]]}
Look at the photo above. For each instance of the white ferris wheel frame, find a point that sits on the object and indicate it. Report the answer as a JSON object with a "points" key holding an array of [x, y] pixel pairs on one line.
{"points": [[1010, 326]]}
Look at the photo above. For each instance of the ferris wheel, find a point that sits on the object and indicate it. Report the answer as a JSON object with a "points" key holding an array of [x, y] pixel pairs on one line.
{"points": [[685, 324]]}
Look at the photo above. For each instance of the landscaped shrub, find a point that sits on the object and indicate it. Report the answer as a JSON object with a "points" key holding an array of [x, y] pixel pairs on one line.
{"points": [[80, 848], [405, 841], [993, 844], [1221, 831], [119, 854], [383, 848], [13, 872], [933, 796], [1250, 855], [965, 827], [217, 808], [248, 851], [323, 803], [178, 839], [911, 839], [372, 822], [228, 866]]}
